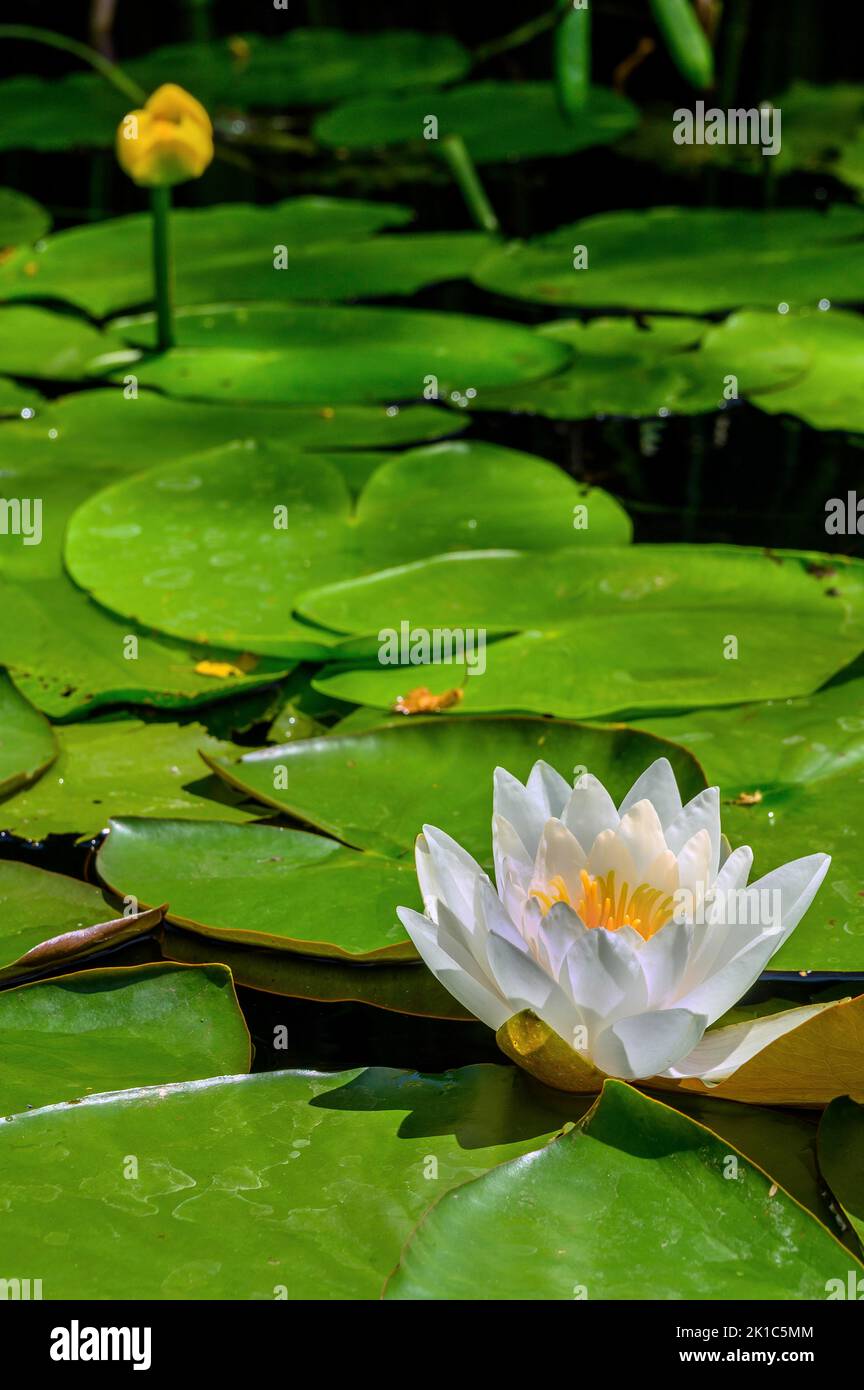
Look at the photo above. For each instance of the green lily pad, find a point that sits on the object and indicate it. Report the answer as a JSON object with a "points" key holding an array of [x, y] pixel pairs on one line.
{"points": [[234, 1173], [608, 632], [657, 366], [829, 395], [402, 988], [497, 120], [297, 355], [306, 67], [689, 260], [123, 767], [538, 1227], [50, 347], [108, 1030], [841, 1157], [263, 886], [48, 920], [21, 219], [805, 759], [98, 425], [232, 251], [27, 742], [232, 574], [376, 789]]}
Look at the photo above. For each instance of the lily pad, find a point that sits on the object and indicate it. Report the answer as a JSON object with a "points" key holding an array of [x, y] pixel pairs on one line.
{"points": [[791, 774], [306, 67], [107, 1030], [656, 366], [263, 886], [244, 532], [123, 767], [376, 789], [537, 1228], [18, 400], [331, 356], [497, 120], [21, 218], [841, 1157], [237, 252], [27, 742], [608, 632], [48, 920], [829, 395], [689, 260]]}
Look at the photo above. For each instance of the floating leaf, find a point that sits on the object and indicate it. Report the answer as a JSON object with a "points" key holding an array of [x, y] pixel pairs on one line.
{"points": [[376, 789], [263, 886], [275, 354], [122, 767], [538, 1227], [18, 400], [497, 120], [829, 395], [689, 260], [106, 1030], [27, 742], [658, 366], [244, 532], [606, 632], [48, 920], [50, 347], [303, 248], [805, 760]]}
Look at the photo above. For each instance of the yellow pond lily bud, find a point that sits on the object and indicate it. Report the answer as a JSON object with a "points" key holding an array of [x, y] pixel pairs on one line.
{"points": [[169, 141]]}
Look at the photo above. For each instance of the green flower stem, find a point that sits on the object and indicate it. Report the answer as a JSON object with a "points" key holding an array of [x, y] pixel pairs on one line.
{"points": [[106, 69], [524, 34], [464, 171], [162, 268]]}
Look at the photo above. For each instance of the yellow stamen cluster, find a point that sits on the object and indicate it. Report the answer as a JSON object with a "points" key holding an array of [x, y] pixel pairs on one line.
{"points": [[602, 904]]}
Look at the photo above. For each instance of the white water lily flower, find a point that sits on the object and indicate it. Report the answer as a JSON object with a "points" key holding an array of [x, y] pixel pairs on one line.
{"points": [[621, 930]]}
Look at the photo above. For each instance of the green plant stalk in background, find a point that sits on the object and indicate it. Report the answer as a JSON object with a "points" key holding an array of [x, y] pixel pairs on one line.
{"points": [[106, 69], [573, 57], [685, 40], [464, 171], [160, 201]]}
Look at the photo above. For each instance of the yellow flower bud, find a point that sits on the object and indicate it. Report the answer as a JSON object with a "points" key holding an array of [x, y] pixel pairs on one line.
{"points": [[168, 142]]}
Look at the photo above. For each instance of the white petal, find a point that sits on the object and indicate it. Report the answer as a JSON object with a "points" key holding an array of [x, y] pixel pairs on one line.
{"points": [[657, 784], [461, 977], [647, 1044], [447, 873], [525, 810], [694, 865], [663, 960], [589, 810], [559, 855], [702, 812], [526, 985], [549, 789], [640, 830], [610, 854], [507, 846], [602, 974], [555, 934], [722, 1052]]}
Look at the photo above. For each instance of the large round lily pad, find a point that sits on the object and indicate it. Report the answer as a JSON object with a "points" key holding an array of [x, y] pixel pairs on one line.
{"points": [[689, 260], [830, 395], [652, 628], [497, 120], [328, 356], [241, 533], [263, 886], [37, 343], [27, 742], [122, 767], [303, 248], [107, 1030], [48, 920], [377, 789], [539, 1227], [790, 773]]}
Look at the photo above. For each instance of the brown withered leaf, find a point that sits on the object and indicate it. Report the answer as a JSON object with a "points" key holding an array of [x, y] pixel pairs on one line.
{"points": [[422, 701]]}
